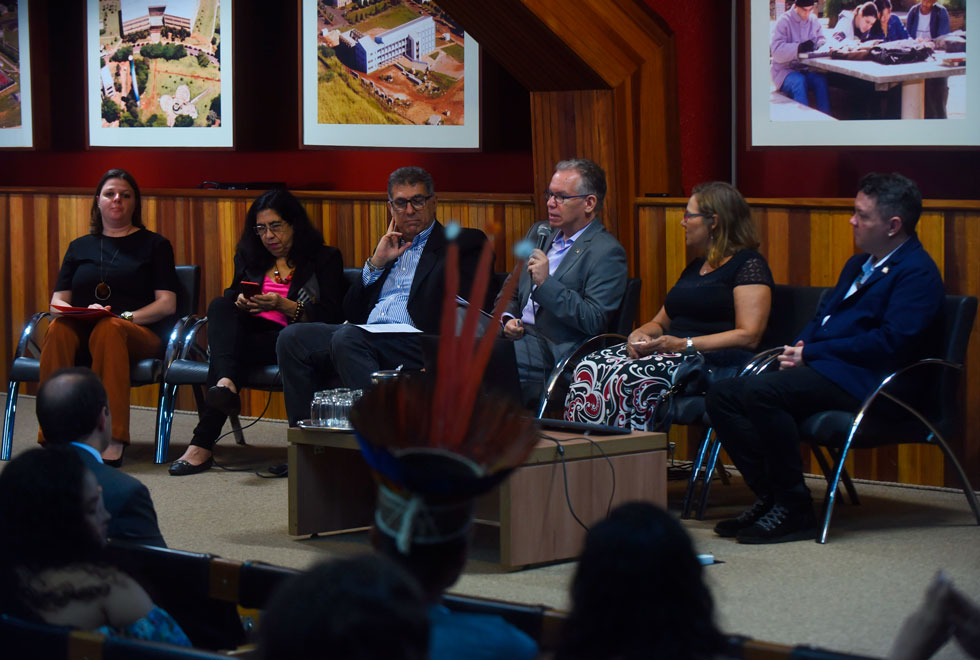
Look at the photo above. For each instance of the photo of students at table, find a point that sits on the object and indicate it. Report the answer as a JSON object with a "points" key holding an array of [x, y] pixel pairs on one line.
{"points": [[819, 57]]}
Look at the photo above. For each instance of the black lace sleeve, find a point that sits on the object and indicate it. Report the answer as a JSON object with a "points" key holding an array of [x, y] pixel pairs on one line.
{"points": [[755, 270]]}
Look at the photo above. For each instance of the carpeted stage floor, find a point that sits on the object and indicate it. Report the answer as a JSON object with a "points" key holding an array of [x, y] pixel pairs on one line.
{"points": [[850, 594]]}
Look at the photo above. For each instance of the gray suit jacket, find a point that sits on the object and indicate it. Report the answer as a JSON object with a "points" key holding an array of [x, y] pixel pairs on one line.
{"points": [[128, 502], [578, 300]]}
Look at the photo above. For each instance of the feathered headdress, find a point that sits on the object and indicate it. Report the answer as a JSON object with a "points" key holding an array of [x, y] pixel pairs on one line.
{"points": [[432, 448]]}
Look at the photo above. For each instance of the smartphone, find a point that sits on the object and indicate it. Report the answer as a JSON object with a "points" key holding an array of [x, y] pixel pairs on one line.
{"points": [[250, 289]]}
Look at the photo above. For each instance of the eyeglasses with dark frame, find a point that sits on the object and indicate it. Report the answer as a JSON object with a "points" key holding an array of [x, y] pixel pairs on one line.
{"points": [[274, 227], [688, 216], [561, 199], [417, 202]]}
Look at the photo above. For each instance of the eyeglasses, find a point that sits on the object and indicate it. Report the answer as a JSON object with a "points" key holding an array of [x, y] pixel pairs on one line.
{"points": [[274, 227], [417, 202], [688, 216], [559, 198]]}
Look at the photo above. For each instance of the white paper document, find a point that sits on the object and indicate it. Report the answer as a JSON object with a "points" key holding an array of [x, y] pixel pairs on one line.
{"points": [[383, 328]]}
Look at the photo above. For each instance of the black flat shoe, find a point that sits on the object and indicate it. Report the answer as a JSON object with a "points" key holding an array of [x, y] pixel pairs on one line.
{"points": [[115, 462], [223, 400], [181, 468]]}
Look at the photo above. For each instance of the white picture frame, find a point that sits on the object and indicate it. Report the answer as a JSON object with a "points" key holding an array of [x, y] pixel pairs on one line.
{"points": [[449, 135], [202, 133], [16, 82], [765, 131]]}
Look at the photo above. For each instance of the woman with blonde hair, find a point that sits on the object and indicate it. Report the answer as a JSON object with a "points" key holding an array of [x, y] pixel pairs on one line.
{"points": [[719, 306]]}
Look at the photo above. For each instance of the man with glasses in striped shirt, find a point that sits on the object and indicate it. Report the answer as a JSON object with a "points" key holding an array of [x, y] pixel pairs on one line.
{"points": [[401, 282]]}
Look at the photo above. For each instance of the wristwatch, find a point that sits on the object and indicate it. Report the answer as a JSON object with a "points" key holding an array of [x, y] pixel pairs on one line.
{"points": [[689, 348], [127, 316], [371, 267]]}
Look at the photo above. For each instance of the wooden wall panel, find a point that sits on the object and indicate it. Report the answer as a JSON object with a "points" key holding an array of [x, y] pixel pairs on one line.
{"points": [[807, 242]]}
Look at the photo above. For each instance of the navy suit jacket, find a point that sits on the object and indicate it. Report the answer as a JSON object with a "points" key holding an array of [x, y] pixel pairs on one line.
{"points": [[128, 502], [885, 325], [428, 285]]}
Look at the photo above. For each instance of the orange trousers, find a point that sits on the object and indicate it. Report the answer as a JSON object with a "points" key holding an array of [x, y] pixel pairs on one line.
{"points": [[112, 343]]}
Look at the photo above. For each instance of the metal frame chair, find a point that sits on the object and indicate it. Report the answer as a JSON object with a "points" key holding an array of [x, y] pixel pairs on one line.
{"points": [[26, 366], [792, 307], [556, 387]]}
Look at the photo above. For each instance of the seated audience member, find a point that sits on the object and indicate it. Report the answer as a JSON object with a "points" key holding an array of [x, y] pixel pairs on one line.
{"points": [[945, 613], [567, 294], [52, 536], [854, 27], [926, 21], [796, 32], [719, 305], [431, 542], [72, 410], [402, 282], [301, 280], [638, 592], [119, 266], [361, 608], [878, 318], [889, 27]]}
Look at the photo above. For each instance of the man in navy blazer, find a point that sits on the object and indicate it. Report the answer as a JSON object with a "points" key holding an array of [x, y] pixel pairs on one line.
{"points": [[886, 302], [402, 282], [72, 409]]}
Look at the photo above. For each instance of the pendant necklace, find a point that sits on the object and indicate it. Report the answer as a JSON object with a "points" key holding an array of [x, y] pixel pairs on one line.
{"points": [[102, 290], [282, 280]]}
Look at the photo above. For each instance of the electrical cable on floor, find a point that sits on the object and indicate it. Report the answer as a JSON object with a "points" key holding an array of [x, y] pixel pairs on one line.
{"points": [[226, 467], [564, 472]]}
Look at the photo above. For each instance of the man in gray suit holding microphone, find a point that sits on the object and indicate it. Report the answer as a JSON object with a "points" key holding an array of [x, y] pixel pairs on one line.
{"points": [[575, 278]]}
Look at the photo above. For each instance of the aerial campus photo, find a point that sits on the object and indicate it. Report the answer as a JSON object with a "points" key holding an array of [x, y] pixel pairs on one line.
{"points": [[388, 62], [159, 63], [9, 66]]}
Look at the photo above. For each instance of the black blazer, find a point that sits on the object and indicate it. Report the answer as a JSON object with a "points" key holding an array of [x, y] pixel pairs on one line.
{"points": [[425, 298], [319, 284]]}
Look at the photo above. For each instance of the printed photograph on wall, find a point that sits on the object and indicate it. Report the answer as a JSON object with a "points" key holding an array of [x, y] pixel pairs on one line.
{"points": [[159, 73], [845, 72], [16, 129], [388, 73]]}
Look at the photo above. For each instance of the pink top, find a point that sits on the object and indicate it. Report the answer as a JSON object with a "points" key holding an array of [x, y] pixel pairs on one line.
{"points": [[269, 285]]}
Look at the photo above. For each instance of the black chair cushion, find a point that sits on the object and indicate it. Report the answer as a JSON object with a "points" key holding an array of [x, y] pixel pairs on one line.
{"points": [[25, 370], [187, 372], [28, 370]]}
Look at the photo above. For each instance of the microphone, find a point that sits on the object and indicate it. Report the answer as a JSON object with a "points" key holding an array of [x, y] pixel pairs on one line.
{"points": [[544, 233]]}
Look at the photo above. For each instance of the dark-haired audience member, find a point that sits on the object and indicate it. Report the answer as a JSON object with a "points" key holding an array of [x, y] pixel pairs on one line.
{"points": [[52, 536], [72, 409], [638, 592], [855, 27], [301, 280], [797, 32], [401, 282], [123, 267], [945, 613], [719, 306], [881, 316], [889, 26], [360, 608], [572, 284], [927, 21], [435, 554]]}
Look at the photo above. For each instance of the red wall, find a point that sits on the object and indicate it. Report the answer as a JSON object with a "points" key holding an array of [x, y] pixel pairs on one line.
{"points": [[266, 139]]}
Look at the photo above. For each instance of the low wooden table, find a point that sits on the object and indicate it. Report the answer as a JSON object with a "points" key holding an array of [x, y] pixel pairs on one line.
{"points": [[331, 489]]}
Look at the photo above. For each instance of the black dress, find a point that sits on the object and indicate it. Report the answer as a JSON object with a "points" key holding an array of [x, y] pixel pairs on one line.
{"points": [[611, 388]]}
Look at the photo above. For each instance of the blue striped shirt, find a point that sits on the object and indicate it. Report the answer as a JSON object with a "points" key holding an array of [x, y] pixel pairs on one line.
{"points": [[392, 305]]}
